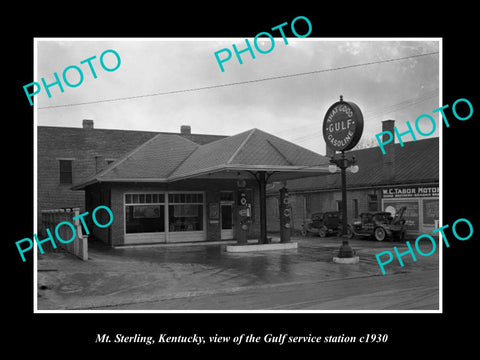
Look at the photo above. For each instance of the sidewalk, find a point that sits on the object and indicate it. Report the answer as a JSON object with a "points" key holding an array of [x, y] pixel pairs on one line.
{"points": [[128, 276]]}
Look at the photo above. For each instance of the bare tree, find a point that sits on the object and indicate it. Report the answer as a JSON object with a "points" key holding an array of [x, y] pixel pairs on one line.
{"points": [[366, 143]]}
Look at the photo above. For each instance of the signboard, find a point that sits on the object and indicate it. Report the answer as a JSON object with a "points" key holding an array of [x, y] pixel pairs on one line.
{"points": [[213, 211], [247, 211], [342, 125], [411, 191]]}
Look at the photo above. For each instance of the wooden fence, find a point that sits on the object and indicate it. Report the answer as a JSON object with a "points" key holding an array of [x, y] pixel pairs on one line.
{"points": [[50, 220]]}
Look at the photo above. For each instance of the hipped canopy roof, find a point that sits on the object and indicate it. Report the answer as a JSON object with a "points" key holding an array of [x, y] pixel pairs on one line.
{"points": [[170, 157]]}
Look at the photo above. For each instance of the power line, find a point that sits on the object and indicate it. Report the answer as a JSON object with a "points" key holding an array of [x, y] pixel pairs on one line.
{"points": [[378, 113], [241, 82], [373, 113], [403, 104]]}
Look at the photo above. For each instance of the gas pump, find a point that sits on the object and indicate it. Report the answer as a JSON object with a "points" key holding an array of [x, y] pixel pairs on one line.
{"points": [[285, 216], [244, 216]]}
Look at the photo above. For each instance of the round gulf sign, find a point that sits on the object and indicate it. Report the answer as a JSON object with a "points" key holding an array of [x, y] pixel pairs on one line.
{"points": [[342, 125]]}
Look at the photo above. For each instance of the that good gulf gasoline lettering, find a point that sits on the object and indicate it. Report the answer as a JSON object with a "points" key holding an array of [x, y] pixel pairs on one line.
{"points": [[339, 122]]}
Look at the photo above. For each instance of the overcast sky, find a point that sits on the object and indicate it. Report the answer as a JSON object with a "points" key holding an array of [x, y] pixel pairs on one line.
{"points": [[292, 108]]}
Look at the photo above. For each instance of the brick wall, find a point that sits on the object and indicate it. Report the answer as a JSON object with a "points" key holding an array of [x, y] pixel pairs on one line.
{"points": [[98, 194], [81, 145], [84, 146], [112, 195]]}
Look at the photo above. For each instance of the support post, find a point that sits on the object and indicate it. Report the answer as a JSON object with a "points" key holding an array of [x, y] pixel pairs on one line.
{"points": [[346, 250], [343, 169], [262, 184], [345, 254]]}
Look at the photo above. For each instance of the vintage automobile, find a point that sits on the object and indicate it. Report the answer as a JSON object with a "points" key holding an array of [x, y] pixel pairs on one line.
{"points": [[380, 225], [323, 224]]}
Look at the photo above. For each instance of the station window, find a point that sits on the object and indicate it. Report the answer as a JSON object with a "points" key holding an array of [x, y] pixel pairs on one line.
{"points": [[308, 205], [66, 170], [185, 212], [372, 202], [355, 208], [339, 205], [226, 196], [144, 213]]}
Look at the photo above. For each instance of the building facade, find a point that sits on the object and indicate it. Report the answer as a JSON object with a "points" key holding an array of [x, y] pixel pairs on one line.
{"points": [[405, 176], [189, 211]]}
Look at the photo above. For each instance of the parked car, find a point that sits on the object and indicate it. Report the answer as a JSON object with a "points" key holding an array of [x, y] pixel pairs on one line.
{"points": [[323, 224], [380, 225]]}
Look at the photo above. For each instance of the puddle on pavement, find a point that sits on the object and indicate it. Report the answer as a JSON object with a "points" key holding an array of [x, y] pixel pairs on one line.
{"points": [[70, 288]]}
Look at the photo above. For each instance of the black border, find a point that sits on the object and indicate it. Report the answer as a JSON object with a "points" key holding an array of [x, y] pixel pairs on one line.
{"points": [[72, 334]]}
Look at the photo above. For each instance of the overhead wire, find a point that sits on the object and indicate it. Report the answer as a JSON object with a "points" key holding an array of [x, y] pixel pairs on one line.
{"points": [[378, 113], [373, 113], [240, 82]]}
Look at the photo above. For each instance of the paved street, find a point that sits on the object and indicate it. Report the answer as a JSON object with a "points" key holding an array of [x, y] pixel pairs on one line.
{"points": [[205, 277], [392, 293]]}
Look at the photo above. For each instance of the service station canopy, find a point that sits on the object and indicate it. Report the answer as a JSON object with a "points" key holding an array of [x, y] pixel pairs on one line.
{"points": [[168, 158]]}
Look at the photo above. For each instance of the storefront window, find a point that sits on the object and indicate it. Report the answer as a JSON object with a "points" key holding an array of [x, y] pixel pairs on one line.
{"points": [[430, 211], [144, 213], [185, 212]]}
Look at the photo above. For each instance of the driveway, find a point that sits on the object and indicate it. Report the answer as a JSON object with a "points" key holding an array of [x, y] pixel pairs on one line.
{"points": [[205, 277]]}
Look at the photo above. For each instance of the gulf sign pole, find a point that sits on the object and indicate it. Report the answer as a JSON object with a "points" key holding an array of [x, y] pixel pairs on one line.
{"points": [[342, 129]]}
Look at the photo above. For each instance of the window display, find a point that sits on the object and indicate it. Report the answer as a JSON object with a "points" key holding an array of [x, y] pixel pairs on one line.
{"points": [[185, 212], [144, 213], [430, 211]]}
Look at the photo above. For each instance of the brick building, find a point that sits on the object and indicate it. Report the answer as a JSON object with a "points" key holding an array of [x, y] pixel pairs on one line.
{"points": [[68, 155], [404, 176]]}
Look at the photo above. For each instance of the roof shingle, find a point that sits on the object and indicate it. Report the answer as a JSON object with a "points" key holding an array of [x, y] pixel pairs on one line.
{"points": [[416, 162], [172, 157]]}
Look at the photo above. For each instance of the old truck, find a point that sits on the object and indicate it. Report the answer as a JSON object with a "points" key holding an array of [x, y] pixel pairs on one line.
{"points": [[380, 225]]}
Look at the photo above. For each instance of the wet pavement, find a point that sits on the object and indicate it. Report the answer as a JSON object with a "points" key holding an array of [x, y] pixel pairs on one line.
{"points": [[201, 276]]}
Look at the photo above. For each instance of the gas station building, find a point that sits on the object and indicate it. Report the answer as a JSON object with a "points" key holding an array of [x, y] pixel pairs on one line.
{"points": [[171, 189]]}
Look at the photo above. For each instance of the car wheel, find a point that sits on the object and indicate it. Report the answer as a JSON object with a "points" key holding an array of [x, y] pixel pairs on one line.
{"points": [[322, 232], [379, 234]]}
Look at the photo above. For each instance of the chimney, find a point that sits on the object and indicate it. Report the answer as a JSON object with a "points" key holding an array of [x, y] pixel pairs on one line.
{"points": [[389, 157], [185, 130], [100, 163], [87, 124], [330, 152]]}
